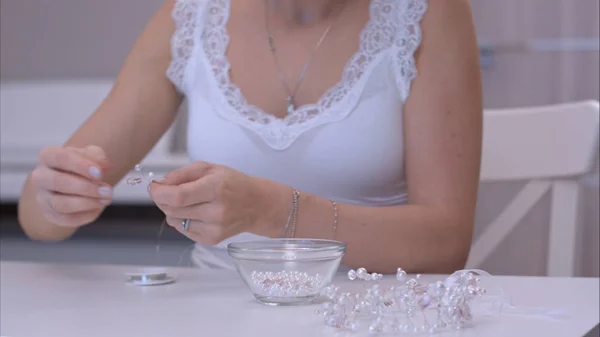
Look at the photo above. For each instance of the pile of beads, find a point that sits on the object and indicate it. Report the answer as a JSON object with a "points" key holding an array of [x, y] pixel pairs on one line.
{"points": [[407, 307], [286, 283]]}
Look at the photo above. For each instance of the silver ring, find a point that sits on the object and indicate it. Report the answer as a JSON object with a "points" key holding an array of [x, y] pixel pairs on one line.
{"points": [[185, 225]]}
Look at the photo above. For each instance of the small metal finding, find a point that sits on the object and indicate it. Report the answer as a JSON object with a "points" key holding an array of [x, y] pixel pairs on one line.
{"points": [[134, 180]]}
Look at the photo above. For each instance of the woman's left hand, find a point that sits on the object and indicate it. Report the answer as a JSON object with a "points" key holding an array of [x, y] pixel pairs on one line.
{"points": [[220, 202]]}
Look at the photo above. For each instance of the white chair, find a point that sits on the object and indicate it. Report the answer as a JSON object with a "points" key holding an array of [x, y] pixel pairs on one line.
{"points": [[552, 147]]}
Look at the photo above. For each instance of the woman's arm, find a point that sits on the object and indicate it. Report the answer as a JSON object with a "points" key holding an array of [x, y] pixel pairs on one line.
{"points": [[139, 109], [443, 130]]}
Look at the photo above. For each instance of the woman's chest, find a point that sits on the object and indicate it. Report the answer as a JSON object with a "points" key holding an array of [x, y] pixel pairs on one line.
{"points": [[359, 156], [234, 72]]}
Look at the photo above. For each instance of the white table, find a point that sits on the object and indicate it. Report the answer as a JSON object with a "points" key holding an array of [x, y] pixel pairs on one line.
{"points": [[50, 300]]}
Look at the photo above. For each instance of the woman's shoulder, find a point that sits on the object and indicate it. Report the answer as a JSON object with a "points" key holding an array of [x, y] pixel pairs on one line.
{"points": [[448, 25], [186, 17]]}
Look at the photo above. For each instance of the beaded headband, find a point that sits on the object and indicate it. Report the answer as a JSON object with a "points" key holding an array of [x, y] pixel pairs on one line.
{"points": [[412, 307], [405, 307]]}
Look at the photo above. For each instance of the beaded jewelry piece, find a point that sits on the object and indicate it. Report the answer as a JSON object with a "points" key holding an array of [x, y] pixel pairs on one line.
{"points": [[139, 176], [403, 308]]}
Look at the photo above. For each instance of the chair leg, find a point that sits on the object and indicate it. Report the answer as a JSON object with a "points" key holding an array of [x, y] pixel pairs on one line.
{"points": [[506, 221], [563, 240]]}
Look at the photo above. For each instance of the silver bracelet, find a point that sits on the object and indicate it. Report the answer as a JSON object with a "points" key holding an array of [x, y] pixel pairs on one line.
{"points": [[293, 217], [295, 212], [335, 218]]}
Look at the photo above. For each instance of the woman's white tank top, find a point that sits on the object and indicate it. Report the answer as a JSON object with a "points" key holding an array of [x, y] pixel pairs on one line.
{"points": [[347, 147]]}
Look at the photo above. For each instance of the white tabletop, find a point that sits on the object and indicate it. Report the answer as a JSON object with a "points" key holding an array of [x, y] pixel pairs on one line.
{"points": [[75, 300]]}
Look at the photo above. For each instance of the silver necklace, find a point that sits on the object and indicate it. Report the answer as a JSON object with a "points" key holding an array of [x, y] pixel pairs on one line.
{"points": [[291, 105]]}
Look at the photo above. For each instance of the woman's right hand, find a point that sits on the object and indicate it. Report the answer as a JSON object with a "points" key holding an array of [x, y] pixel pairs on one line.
{"points": [[69, 186]]}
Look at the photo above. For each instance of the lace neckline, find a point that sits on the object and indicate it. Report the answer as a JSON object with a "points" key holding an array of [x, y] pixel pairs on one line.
{"points": [[335, 104]]}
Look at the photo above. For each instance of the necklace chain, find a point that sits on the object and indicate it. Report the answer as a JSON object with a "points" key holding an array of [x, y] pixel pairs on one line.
{"points": [[291, 93]]}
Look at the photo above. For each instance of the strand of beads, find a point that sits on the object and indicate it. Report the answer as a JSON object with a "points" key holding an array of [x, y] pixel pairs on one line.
{"points": [[139, 177], [406, 307], [361, 274]]}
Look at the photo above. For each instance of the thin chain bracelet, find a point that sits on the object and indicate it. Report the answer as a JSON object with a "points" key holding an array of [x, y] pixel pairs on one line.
{"points": [[335, 218], [296, 195], [293, 214], [287, 224]]}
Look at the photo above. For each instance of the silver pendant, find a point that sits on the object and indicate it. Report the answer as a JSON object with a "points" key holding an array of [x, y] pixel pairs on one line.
{"points": [[290, 105]]}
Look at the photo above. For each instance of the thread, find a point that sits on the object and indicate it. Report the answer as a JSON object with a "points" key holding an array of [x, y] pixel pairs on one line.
{"points": [[137, 178], [183, 254]]}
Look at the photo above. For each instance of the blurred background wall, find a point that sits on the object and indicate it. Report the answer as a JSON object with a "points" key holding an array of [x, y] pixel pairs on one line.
{"points": [[534, 52]]}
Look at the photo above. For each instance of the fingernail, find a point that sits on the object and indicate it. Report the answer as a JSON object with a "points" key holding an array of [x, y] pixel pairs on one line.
{"points": [[105, 191], [95, 172], [159, 180]]}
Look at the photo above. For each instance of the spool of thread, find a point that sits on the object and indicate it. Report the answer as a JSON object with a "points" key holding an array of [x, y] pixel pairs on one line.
{"points": [[149, 278]]}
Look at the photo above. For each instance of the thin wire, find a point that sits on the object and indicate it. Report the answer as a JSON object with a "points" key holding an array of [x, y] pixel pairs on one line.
{"points": [[137, 179], [183, 253], [161, 229]]}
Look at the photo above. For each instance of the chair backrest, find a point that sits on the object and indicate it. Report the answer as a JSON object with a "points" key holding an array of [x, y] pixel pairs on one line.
{"points": [[540, 142], [551, 147]]}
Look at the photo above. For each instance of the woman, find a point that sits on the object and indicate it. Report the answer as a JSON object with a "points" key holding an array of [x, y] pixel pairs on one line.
{"points": [[350, 119]]}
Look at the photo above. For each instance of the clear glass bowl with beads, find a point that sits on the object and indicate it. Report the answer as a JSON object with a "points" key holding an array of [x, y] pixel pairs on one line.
{"points": [[287, 271]]}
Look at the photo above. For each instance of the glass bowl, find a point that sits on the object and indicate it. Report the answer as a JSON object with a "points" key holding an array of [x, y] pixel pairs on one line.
{"points": [[287, 271]]}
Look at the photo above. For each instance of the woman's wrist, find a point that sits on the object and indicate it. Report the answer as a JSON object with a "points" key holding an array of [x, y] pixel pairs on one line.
{"points": [[283, 206], [276, 205], [34, 224]]}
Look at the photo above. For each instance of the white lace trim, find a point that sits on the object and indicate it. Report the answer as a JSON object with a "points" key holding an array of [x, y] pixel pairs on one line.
{"points": [[185, 17], [407, 42], [393, 25]]}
